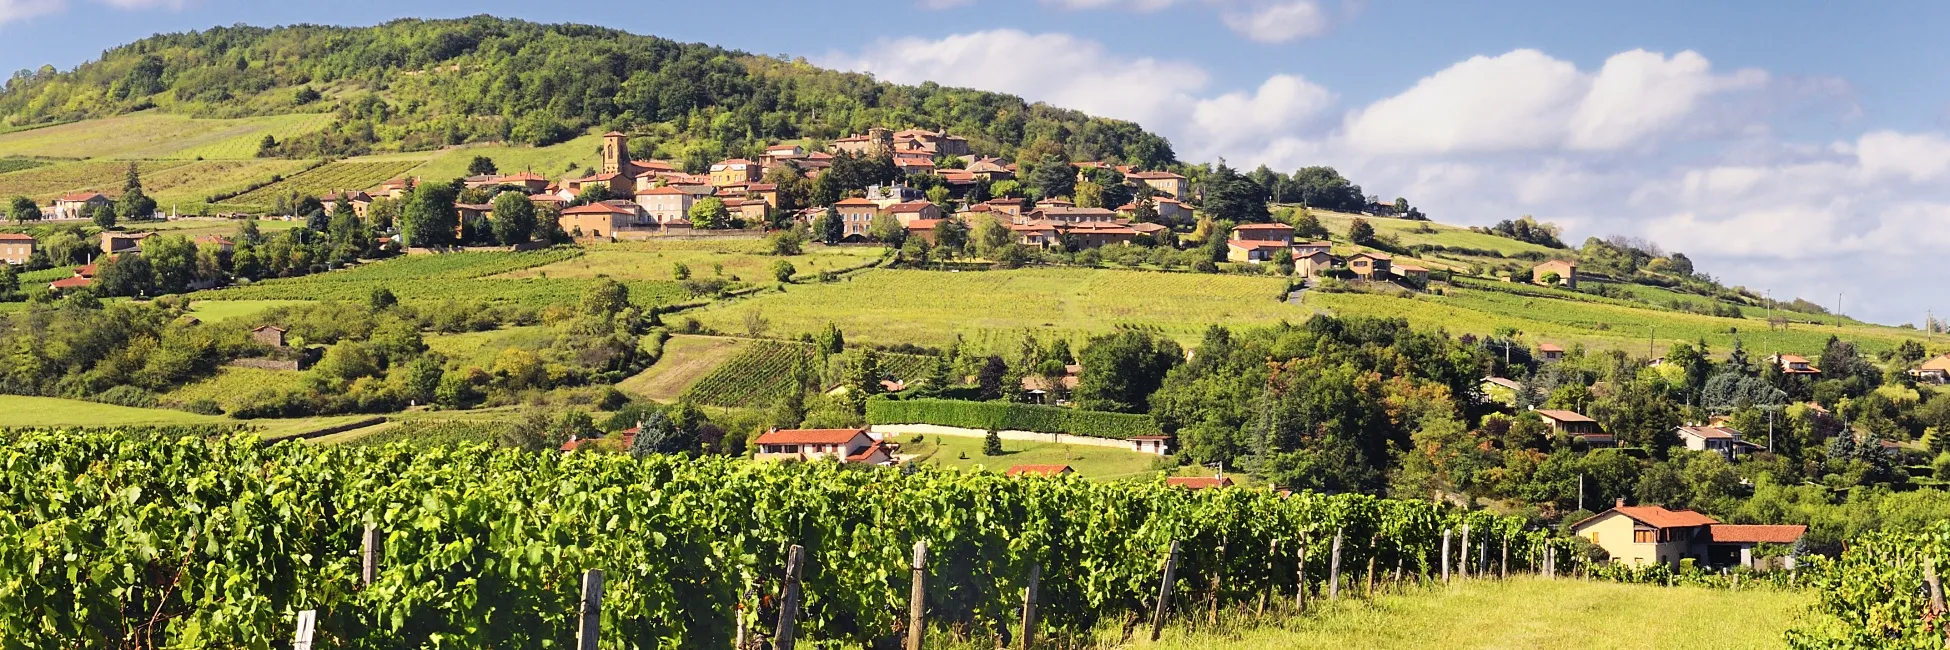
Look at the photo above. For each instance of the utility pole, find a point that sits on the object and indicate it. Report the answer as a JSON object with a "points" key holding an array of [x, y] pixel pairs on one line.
{"points": [[1838, 309], [1651, 341], [1580, 490]]}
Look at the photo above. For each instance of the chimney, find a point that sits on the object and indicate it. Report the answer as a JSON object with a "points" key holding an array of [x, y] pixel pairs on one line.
{"points": [[1621, 502]]}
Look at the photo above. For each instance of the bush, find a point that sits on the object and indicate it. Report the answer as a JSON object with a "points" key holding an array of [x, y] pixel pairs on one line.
{"points": [[1009, 416], [126, 395], [204, 406]]}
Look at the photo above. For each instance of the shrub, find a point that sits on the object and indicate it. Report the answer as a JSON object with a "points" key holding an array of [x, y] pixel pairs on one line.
{"points": [[204, 406], [126, 395]]}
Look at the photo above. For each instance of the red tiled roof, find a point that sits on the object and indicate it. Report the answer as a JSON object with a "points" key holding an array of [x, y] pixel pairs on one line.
{"points": [[1657, 517], [1756, 534], [661, 190], [598, 208], [855, 201], [762, 187], [1372, 255], [82, 196], [1563, 416], [1549, 347], [14, 236], [1199, 482], [1042, 470], [808, 436], [867, 452], [910, 206], [69, 283], [1712, 433], [924, 224], [1250, 244], [1279, 227]]}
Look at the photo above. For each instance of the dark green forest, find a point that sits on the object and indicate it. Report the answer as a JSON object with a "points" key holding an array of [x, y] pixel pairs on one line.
{"points": [[421, 84]]}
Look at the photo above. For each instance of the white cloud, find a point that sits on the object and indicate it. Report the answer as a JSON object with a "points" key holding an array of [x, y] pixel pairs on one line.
{"points": [[12, 10], [1888, 154], [1282, 103], [1527, 100], [1281, 22]]}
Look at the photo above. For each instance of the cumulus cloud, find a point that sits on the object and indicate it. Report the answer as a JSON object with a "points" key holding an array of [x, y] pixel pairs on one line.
{"points": [[1279, 22], [1889, 154], [13, 10], [1527, 100]]}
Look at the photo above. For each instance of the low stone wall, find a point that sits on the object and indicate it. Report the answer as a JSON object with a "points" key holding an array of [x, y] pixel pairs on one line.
{"points": [[900, 432]]}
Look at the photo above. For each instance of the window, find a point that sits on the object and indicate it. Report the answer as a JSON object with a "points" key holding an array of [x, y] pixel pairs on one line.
{"points": [[1594, 537], [1645, 537]]}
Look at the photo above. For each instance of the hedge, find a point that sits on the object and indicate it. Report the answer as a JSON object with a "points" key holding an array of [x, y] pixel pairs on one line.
{"points": [[1009, 416]]}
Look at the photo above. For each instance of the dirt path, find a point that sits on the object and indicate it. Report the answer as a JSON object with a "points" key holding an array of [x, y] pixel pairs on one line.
{"points": [[686, 358]]}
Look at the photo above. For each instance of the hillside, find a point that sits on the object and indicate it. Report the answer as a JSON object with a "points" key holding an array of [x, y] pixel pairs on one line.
{"points": [[415, 85]]}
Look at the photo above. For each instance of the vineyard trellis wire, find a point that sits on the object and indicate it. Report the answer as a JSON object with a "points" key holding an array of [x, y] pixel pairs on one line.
{"points": [[193, 542]]}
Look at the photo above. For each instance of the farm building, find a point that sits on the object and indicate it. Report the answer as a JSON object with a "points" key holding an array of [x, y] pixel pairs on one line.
{"points": [[845, 445], [1156, 445], [1565, 270], [15, 247], [1576, 426], [1645, 535]]}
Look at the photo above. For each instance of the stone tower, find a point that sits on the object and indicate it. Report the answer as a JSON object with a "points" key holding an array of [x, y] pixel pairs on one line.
{"points": [[616, 153]]}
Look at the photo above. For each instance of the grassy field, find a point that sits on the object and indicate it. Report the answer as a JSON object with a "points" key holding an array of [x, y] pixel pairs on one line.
{"points": [[1097, 463], [552, 161], [346, 176], [1410, 233], [217, 311], [657, 260], [685, 360], [1519, 613], [175, 184], [23, 411], [158, 135], [457, 276], [231, 387], [888, 306], [480, 348]]}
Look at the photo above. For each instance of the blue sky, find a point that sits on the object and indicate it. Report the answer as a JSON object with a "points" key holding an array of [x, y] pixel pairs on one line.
{"points": [[1797, 147]]}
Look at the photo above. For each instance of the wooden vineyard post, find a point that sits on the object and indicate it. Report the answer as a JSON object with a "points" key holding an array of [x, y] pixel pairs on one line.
{"points": [[589, 624], [1028, 608], [1212, 617], [1483, 557], [1164, 594], [1334, 567], [1936, 587], [1462, 555], [917, 599], [795, 565], [1503, 566], [1300, 575], [743, 634], [1445, 556], [369, 556], [1398, 570], [301, 639], [1374, 552], [1268, 594]]}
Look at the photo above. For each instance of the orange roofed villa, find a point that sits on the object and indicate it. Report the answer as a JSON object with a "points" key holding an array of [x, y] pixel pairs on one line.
{"points": [[1646, 535], [844, 445]]}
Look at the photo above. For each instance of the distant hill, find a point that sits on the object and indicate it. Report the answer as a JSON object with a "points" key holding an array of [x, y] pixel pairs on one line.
{"points": [[413, 85]]}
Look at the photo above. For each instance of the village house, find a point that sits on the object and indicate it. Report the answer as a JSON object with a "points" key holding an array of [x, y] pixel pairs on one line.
{"points": [[1259, 242], [268, 335], [596, 220], [1312, 264], [922, 229], [1145, 229], [1199, 482], [1097, 234], [992, 170], [767, 192], [1936, 371], [845, 445], [1154, 445], [752, 211], [1550, 352], [779, 153], [1010, 207], [64, 284], [1566, 270], [913, 164], [1311, 247], [1040, 234], [857, 216], [1576, 426], [16, 248], [886, 196], [1500, 389], [1411, 272], [529, 182], [217, 242], [114, 243], [1794, 365], [665, 204], [1370, 265], [1172, 185], [931, 143], [736, 171], [877, 140], [912, 211], [1061, 213], [469, 212], [1715, 438], [398, 187], [79, 205], [1646, 535], [1039, 470]]}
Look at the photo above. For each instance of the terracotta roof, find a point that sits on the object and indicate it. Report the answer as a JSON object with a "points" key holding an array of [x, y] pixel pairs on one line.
{"points": [[1563, 416], [1712, 433], [14, 236], [660, 190], [1042, 470], [1280, 227], [81, 196], [598, 208], [1789, 358], [808, 436], [1250, 244], [1153, 175], [1756, 534], [910, 206], [1549, 347], [855, 201], [547, 198], [1199, 482], [1506, 383], [1148, 228], [1372, 255], [924, 224], [762, 187], [69, 283], [1656, 517], [867, 452]]}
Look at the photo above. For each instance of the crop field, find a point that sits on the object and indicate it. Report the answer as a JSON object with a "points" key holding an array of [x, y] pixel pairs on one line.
{"points": [[457, 276], [1097, 463], [657, 260], [685, 359], [1594, 324], [552, 161], [17, 164], [45, 182], [158, 135], [346, 176], [194, 227], [762, 370], [888, 306]]}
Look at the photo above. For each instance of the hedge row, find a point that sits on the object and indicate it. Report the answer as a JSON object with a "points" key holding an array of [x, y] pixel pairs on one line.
{"points": [[1009, 416]]}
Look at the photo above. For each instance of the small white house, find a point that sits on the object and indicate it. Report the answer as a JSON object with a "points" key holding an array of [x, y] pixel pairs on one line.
{"points": [[1158, 445]]}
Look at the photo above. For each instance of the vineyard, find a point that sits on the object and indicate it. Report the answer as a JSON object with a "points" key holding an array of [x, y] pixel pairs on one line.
{"points": [[156, 135], [765, 369], [1884, 591], [338, 176], [456, 276], [44, 182], [108, 539]]}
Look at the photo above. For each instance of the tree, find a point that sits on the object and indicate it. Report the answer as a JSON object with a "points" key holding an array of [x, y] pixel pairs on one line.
{"points": [[829, 227], [104, 217], [1053, 177], [24, 209], [514, 218], [988, 380], [830, 340], [887, 229], [428, 219], [481, 166], [9, 282], [709, 213], [951, 235], [1323, 187], [605, 297], [134, 204], [1401, 206], [680, 271], [790, 241], [1235, 198], [992, 443], [1360, 232], [1122, 370], [248, 233], [783, 271], [1283, 262], [938, 379], [1145, 210]]}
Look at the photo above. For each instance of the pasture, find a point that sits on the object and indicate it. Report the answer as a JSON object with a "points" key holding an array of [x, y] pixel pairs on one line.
{"points": [[893, 306], [334, 177], [480, 348], [1429, 233], [175, 184], [741, 260], [158, 135], [448, 276], [217, 311], [24, 411], [1096, 463], [552, 161]]}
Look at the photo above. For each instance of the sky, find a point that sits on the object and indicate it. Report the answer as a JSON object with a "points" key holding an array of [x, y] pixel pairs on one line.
{"points": [[1795, 148]]}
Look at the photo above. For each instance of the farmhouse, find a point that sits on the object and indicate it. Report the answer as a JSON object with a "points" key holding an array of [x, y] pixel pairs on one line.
{"points": [[1550, 352], [1061, 213], [359, 201], [1723, 440], [1576, 426], [596, 220], [1411, 272], [845, 445], [1098, 234], [991, 170], [270, 335], [1039, 470], [665, 204], [65, 284], [1312, 263], [1794, 365], [114, 243], [1155, 445], [15, 247], [1259, 242], [857, 216], [912, 211], [1565, 270], [735, 171], [1935, 371], [1041, 234], [79, 204], [1172, 185], [1645, 535], [1370, 265]]}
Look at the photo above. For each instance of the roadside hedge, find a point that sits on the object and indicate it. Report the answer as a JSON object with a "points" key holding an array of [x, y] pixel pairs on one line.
{"points": [[1009, 416]]}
